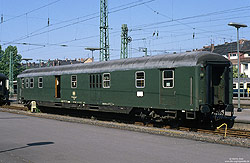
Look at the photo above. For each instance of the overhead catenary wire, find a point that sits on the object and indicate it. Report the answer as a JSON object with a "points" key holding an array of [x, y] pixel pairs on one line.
{"points": [[239, 9], [144, 3], [28, 12], [60, 44], [197, 31], [204, 31], [191, 27], [84, 20], [171, 20], [136, 39], [193, 22]]}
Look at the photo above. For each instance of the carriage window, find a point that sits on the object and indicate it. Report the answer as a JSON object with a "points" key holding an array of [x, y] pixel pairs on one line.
{"points": [[40, 82], [93, 80], [100, 82], [90, 81], [106, 80], [234, 86], [241, 85], [22, 82], [140, 79], [248, 85], [27, 82], [168, 79], [73, 81], [31, 82], [97, 80]]}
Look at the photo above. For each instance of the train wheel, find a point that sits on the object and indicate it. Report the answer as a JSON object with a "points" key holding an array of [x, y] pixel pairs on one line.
{"points": [[174, 123], [213, 125], [145, 118], [230, 123]]}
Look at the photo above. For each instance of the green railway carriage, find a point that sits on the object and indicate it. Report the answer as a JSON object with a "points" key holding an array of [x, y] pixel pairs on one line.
{"points": [[187, 86]]}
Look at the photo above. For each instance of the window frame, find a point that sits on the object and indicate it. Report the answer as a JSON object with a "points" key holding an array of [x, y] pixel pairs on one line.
{"points": [[22, 83], [27, 82], [93, 81], [90, 80], [40, 82], [100, 81], [246, 66], [163, 78], [32, 84], [97, 80], [144, 79], [103, 80], [73, 87]]}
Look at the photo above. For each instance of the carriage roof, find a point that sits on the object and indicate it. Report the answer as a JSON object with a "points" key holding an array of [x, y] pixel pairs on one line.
{"points": [[150, 62]]}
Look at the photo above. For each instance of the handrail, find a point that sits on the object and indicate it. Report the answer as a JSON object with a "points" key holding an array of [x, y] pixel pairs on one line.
{"points": [[224, 124]]}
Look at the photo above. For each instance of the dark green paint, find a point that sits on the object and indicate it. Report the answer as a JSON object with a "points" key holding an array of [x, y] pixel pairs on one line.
{"points": [[123, 91]]}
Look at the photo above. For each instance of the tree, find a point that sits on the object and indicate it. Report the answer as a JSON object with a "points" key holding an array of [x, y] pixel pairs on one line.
{"points": [[235, 73], [5, 60]]}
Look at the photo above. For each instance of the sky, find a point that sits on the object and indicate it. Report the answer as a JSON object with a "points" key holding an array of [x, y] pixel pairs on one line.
{"points": [[161, 26]]}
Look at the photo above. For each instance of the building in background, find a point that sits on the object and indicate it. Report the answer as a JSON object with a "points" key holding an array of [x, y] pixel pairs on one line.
{"points": [[229, 50], [56, 62]]}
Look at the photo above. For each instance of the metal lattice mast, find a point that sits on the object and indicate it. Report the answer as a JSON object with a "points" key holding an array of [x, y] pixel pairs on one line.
{"points": [[11, 87], [104, 32], [124, 41]]}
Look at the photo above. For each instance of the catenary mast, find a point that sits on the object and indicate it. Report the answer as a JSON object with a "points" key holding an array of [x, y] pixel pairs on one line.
{"points": [[104, 32]]}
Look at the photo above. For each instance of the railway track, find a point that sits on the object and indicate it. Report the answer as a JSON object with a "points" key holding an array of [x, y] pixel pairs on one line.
{"points": [[230, 132]]}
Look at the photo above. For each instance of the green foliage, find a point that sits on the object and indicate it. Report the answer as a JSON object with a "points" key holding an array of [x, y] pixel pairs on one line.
{"points": [[5, 59], [235, 73]]}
